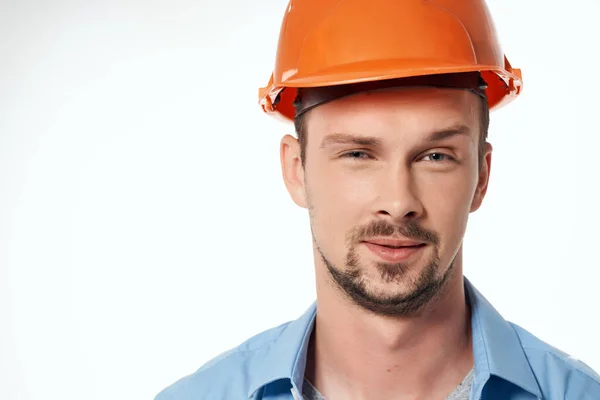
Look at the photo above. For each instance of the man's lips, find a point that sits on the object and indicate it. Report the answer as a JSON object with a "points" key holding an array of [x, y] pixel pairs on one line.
{"points": [[389, 242], [393, 250]]}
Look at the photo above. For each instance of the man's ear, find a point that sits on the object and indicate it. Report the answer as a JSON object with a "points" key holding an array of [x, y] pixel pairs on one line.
{"points": [[484, 178], [293, 170]]}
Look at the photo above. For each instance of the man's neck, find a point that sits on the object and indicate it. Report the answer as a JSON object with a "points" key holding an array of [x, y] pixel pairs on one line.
{"points": [[357, 355]]}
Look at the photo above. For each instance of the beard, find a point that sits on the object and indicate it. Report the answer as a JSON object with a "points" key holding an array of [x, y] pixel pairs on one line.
{"points": [[423, 289]]}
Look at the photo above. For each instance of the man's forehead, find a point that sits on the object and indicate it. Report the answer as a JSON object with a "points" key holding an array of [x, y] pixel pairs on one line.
{"points": [[429, 108]]}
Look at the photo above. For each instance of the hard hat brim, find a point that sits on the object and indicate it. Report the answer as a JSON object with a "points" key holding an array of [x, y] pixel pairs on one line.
{"points": [[504, 84]]}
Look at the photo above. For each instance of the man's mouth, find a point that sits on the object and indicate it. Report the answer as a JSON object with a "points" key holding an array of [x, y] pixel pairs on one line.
{"points": [[394, 243], [393, 250]]}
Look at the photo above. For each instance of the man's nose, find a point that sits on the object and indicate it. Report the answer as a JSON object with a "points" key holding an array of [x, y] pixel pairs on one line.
{"points": [[398, 197]]}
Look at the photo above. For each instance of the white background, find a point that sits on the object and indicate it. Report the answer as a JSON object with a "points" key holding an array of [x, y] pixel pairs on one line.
{"points": [[144, 225]]}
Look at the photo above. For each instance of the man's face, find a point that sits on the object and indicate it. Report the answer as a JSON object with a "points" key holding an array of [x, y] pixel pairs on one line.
{"points": [[389, 180]]}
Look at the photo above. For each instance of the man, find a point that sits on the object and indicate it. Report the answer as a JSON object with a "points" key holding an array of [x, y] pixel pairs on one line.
{"points": [[391, 102]]}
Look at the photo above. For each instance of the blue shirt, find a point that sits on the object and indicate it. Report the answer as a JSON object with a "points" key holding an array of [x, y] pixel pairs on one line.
{"points": [[510, 364]]}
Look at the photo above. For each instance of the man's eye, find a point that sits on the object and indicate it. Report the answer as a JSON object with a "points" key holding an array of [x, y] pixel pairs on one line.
{"points": [[357, 154], [437, 157]]}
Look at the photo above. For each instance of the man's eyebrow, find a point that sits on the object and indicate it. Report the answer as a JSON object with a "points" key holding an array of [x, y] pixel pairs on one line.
{"points": [[347, 138], [446, 133]]}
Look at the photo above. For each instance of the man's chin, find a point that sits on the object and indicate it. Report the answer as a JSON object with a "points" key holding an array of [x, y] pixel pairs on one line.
{"points": [[389, 276], [386, 290]]}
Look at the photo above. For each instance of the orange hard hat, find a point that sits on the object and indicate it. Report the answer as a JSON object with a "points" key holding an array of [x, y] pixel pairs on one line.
{"points": [[337, 42]]}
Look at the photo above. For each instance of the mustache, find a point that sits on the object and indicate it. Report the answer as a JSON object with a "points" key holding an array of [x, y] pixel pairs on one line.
{"points": [[411, 230]]}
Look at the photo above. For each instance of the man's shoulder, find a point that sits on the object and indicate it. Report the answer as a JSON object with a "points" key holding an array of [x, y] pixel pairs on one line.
{"points": [[555, 369], [227, 375]]}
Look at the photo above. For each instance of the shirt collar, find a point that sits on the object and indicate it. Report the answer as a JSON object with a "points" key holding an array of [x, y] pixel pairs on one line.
{"points": [[497, 350], [286, 355]]}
